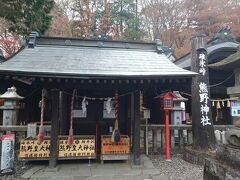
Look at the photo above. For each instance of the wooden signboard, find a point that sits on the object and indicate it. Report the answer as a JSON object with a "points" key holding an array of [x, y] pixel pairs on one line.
{"points": [[83, 147], [115, 151], [109, 147]]}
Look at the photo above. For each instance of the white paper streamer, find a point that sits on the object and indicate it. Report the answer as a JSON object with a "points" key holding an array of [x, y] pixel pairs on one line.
{"points": [[84, 104], [182, 105], [108, 105]]}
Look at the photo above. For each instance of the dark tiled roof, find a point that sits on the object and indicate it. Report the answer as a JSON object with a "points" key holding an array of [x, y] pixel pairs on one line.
{"points": [[185, 62], [60, 57], [230, 63]]}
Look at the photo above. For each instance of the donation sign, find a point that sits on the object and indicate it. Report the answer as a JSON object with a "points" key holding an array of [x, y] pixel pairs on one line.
{"points": [[109, 147]]}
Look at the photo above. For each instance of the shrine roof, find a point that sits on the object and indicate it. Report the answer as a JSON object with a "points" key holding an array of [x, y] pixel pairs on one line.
{"points": [[78, 58], [215, 52], [230, 63]]}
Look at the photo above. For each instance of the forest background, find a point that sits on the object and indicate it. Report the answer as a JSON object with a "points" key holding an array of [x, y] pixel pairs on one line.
{"points": [[174, 22]]}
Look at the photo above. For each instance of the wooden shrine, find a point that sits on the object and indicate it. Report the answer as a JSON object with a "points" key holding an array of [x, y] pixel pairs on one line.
{"points": [[95, 69]]}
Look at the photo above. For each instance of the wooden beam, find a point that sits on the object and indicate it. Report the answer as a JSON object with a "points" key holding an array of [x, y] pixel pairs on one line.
{"points": [[62, 113], [54, 129], [7, 77], [13, 128], [20, 128], [135, 114]]}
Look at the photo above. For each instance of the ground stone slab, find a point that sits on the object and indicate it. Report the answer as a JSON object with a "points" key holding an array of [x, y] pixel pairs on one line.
{"points": [[215, 169]]}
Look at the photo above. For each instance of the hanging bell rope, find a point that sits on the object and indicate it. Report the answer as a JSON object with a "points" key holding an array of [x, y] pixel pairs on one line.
{"points": [[213, 104], [228, 103], [116, 136], [41, 130], [218, 105], [70, 137]]}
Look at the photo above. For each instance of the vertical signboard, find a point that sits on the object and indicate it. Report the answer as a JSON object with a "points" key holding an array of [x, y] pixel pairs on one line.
{"points": [[7, 154], [201, 109]]}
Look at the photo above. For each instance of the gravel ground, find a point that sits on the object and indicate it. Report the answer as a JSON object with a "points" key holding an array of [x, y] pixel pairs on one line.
{"points": [[177, 169], [20, 168]]}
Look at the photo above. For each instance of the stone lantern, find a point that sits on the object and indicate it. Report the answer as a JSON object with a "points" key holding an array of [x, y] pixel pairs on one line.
{"points": [[10, 106]]}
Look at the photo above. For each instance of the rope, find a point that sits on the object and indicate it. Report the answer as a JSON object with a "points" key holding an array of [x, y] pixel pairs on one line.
{"points": [[214, 85], [99, 98], [116, 136], [41, 131], [116, 106], [70, 138]]}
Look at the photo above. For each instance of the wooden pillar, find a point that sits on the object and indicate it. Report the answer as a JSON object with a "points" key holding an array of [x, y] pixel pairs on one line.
{"points": [[162, 140], [54, 129], [62, 113], [154, 140], [203, 132], [135, 114]]}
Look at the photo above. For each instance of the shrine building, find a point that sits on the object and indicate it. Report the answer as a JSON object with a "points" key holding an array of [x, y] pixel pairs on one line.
{"points": [[82, 80]]}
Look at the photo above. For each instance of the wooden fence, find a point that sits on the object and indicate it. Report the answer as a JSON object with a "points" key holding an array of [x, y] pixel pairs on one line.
{"points": [[153, 136]]}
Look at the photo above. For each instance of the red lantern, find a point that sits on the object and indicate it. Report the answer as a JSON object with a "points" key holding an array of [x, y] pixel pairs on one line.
{"points": [[167, 100]]}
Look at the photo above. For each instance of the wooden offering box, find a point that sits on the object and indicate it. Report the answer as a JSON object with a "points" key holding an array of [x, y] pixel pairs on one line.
{"points": [[83, 147], [115, 151]]}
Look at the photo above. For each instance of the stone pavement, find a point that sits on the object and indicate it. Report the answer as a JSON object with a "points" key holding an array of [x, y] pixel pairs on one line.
{"points": [[83, 171]]}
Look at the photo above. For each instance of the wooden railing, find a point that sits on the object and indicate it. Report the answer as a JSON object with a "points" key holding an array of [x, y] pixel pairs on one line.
{"points": [[21, 131], [153, 136]]}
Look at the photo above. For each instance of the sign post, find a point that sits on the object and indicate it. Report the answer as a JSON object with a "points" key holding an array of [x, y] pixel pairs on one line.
{"points": [[7, 155], [203, 132]]}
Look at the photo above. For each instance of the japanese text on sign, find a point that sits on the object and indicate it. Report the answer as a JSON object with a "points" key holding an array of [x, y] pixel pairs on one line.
{"points": [[109, 147], [7, 154], [203, 92], [30, 149]]}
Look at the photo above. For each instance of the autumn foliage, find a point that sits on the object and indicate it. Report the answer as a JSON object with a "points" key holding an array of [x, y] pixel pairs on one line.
{"points": [[174, 22]]}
